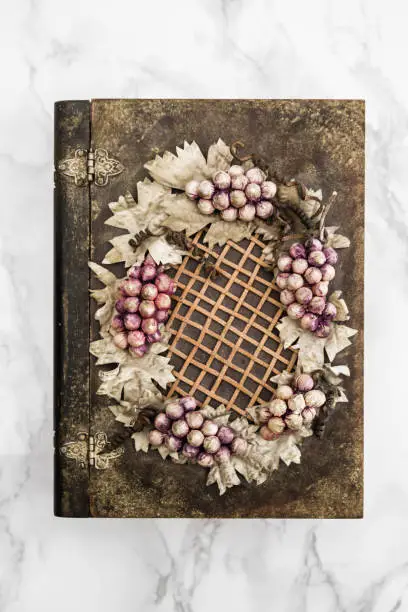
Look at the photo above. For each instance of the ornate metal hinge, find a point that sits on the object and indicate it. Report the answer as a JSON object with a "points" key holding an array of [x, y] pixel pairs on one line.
{"points": [[86, 450], [90, 167]]}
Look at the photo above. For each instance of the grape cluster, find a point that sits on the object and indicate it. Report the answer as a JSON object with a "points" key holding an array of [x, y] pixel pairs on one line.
{"points": [[294, 407], [236, 194], [304, 276], [144, 302], [181, 427]]}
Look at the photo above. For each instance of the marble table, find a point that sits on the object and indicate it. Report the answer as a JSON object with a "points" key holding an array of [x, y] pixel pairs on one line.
{"points": [[190, 48]]}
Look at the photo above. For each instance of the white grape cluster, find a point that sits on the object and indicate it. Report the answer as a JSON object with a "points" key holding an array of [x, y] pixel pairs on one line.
{"points": [[304, 276], [236, 194], [181, 427], [295, 406], [143, 303]]}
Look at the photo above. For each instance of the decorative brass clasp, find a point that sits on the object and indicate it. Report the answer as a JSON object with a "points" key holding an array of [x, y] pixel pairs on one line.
{"points": [[86, 449], [90, 167]]}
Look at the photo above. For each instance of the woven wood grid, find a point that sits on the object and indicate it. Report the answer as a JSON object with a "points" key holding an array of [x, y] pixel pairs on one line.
{"points": [[224, 344]]}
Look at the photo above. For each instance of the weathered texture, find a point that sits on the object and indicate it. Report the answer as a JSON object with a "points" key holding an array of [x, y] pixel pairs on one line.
{"points": [[71, 370], [320, 143]]}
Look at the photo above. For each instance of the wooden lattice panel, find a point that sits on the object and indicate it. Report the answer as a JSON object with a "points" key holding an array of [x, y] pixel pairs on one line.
{"points": [[224, 344]]}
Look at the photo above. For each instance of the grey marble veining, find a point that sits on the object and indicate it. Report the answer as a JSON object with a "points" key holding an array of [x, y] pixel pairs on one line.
{"points": [[212, 48]]}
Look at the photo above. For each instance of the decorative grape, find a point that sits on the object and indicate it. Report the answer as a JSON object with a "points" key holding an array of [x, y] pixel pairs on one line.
{"points": [[268, 190], [255, 175], [235, 171], [303, 295], [162, 316], [121, 340], [120, 305], [131, 304], [321, 288], [304, 382], [156, 438], [297, 250], [294, 421], [163, 301], [317, 305], [132, 287], [149, 291], [147, 309], [205, 207], [328, 272], [205, 190], [314, 244], [162, 422], [189, 403], [173, 443], [315, 398], [239, 182], [264, 209], [163, 283], [276, 425], [284, 392], [225, 434], [295, 281], [247, 212], [209, 428], [205, 460], [300, 265], [190, 452], [135, 271], [136, 338], [316, 258], [149, 326], [238, 198], [220, 200], [313, 275], [308, 415], [195, 437], [309, 322], [148, 272], [253, 192], [263, 414], [287, 297], [180, 428], [267, 434], [174, 410], [191, 189], [277, 407], [285, 263], [117, 323], [297, 403], [330, 311], [296, 311], [211, 444], [223, 454], [132, 321], [331, 256], [222, 180], [323, 329], [230, 214], [282, 280], [194, 419]]}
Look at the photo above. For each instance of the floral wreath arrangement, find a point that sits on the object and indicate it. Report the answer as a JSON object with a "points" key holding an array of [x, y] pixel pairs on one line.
{"points": [[232, 197]]}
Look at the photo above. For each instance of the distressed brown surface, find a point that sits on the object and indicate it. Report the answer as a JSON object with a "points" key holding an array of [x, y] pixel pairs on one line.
{"points": [[321, 143], [71, 371]]}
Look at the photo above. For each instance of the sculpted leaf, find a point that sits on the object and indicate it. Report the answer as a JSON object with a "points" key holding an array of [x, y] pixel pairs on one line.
{"points": [[219, 157], [341, 306], [183, 214], [147, 213], [176, 170], [289, 331], [311, 351], [338, 340], [337, 241], [266, 230], [222, 231], [141, 440]]}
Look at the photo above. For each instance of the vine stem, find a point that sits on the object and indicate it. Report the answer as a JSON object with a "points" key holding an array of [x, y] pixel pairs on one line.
{"points": [[327, 207]]}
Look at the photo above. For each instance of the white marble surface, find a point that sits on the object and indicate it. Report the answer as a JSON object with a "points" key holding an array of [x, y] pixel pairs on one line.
{"points": [[230, 48]]}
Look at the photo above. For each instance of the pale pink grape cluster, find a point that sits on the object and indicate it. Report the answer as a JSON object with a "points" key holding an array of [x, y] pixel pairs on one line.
{"points": [[295, 406], [236, 194], [144, 302], [304, 276], [183, 428]]}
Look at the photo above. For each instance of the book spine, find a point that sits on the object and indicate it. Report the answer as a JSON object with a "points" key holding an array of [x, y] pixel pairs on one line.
{"points": [[71, 294]]}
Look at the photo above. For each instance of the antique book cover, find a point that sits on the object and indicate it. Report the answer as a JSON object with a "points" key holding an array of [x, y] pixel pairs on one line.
{"points": [[209, 308]]}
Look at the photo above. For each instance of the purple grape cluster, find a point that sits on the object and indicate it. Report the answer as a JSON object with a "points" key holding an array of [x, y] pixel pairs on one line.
{"points": [[303, 278], [236, 194], [294, 406], [143, 303], [182, 427]]}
